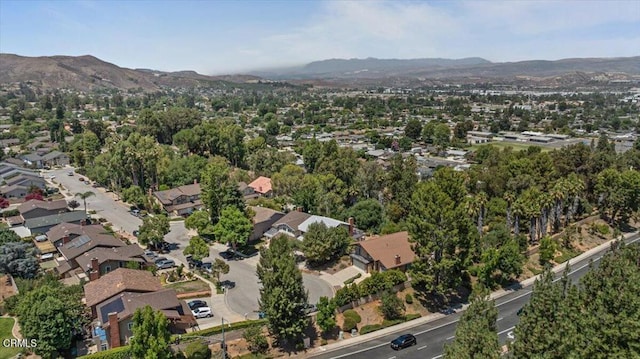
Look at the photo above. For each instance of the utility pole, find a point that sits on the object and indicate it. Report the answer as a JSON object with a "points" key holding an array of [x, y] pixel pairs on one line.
{"points": [[223, 344]]}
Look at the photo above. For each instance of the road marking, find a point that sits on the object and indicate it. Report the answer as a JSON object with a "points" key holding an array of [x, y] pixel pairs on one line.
{"points": [[510, 335], [438, 327], [506, 330], [422, 347], [359, 351], [499, 319], [437, 357], [451, 337], [392, 358]]}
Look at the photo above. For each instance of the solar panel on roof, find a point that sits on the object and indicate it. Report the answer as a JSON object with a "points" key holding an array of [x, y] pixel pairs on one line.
{"points": [[82, 240]]}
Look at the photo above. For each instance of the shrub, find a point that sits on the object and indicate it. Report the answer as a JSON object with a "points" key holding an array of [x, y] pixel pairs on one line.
{"points": [[115, 353], [348, 324], [257, 341], [218, 329], [352, 279], [197, 350], [391, 306], [409, 317], [408, 298], [350, 313], [370, 328]]}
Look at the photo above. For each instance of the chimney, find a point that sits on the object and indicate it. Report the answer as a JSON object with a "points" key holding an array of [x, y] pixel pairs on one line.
{"points": [[398, 260], [65, 239], [351, 226], [95, 270], [195, 181], [299, 209], [114, 330]]}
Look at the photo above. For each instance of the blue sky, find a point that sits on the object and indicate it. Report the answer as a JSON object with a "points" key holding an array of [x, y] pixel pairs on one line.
{"points": [[215, 37]]}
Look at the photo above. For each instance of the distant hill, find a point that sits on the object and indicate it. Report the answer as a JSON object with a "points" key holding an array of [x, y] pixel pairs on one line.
{"points": [[89, 73], [474, 67]]}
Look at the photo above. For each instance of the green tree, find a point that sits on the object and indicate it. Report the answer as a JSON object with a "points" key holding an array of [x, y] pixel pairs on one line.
{"points": [[233, 227], [282, 296], [51, 313], [83, 196], [216, 187], [135, 196], [413, 129], [151, 336], [7, 236], [368, 215], [200, 221], [19, 259], [322, 244], [326, 316], [197, 248], [219, 267], [272, 127], [476, 333], [440, 230], [311, 153], [153, 230], [391, 306], [547, 250]]}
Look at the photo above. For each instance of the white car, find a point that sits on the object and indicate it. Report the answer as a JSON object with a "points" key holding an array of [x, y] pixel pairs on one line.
{"points": [[202, 312]]}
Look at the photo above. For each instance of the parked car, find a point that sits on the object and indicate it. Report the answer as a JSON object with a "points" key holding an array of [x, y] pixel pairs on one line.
{"points": [[229, 254], [207, 267], [135, 212], [202, 312], [310, 308], [166, 264], [227, 284], [150, 253], [448, 311], [136, 233], [70, 173], [81, 179], [196, 303], [160, 259], [403, 341]]}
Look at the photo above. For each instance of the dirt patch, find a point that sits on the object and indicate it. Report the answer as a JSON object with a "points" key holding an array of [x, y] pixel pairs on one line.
{"points": [[331, 267], [6, 287]]}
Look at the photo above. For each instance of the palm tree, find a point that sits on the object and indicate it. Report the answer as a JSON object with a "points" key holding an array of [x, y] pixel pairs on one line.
{"points": [[575, 186], [546, 202], [510, 198], [481, 204], [83, 196], [559, 194]]}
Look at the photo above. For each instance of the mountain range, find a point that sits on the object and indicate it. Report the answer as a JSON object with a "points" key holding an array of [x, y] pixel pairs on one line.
{"points": [[90, 73]]}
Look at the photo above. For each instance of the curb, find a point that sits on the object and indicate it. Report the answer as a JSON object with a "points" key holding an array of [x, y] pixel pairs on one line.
{"points": [[434, 316]]}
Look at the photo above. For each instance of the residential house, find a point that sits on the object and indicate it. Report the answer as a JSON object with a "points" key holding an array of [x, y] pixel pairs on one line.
{"points": [[112, 284], [35, 208], [92, 237], [246, 191], [103, 260], [391, 251], [32, 160], [263, 219], [43, 224], [180, 201], [18, 185], [116, 315], [55, 158], [296, 224], [262, 186]]}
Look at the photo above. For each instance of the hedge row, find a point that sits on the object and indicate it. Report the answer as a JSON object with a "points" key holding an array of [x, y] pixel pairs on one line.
{"points": [[377, 283], [227, 327], [115, 353], [352, 279], [387, 323]]}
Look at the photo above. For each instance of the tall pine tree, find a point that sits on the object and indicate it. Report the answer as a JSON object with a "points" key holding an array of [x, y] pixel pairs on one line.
{"points": [[283, 297]]}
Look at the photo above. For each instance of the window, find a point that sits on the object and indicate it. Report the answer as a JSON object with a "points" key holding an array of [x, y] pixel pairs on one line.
{"points": [[107, 269], [103, 347], [130, 325]]}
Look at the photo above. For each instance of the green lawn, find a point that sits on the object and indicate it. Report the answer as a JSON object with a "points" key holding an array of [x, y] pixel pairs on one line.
{"points": [[6, 324], [190, 286], [515, 146]]}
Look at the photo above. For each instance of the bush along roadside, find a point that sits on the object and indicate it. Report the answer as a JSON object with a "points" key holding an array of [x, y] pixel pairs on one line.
{"points": [[218, 329], [387, 323]]}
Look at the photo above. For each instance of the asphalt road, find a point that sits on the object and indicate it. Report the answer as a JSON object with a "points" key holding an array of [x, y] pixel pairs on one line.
{"points": [[432, 336], [102, 202]]}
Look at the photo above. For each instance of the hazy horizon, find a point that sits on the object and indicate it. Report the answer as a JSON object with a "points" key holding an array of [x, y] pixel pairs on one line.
{"points": [[227, 37]]}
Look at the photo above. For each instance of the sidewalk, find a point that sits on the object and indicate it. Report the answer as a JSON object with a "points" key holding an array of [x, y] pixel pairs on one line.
{"points": [[431, 317]]}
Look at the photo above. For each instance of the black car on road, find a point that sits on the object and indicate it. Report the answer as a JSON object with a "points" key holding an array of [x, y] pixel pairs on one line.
{"points": [[403, 341]]}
